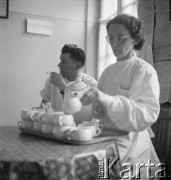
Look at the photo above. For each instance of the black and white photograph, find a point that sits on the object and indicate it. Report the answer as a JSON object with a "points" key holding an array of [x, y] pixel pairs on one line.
{"points": [[85, 89]]}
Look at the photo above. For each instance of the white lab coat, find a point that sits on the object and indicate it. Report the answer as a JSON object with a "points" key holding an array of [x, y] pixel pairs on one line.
{"points": [[131, 104]]}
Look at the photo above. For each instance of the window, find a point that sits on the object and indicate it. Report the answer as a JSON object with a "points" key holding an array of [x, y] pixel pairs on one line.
{"points": [[129, 7], [109, 9]]}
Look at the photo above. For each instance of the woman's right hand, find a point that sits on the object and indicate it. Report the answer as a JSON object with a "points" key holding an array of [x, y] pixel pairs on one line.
{"points": [[92, 96]]}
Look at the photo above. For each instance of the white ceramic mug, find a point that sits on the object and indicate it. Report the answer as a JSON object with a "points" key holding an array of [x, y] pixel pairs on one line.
{"points": [[49, 116], [37, 126], [59, 131], [26, 114], [72, 105], [81, 134], [63, 120], [47, 128], [94, 129]]}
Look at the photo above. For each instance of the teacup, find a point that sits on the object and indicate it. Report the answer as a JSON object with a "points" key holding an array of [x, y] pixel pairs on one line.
{"points": [[37, 126], [26, 114], [81, 134], [49, 116], [59, 131], [94, 129], [47, 128], [26, 124], [63, 120], [72, 105]]}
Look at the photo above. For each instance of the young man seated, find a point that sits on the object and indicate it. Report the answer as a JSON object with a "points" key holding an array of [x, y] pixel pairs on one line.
{"points": [[72, 60]]}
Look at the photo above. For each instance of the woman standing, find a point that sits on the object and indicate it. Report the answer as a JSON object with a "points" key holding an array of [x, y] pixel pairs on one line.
{"points": [[127, 98]]}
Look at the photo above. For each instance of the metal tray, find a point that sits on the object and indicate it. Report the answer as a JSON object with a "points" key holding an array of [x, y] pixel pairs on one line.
{"points": [[104, 136]]}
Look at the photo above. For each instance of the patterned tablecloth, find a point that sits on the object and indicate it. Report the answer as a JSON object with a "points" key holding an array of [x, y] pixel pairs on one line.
{"points": [[27, 157]]}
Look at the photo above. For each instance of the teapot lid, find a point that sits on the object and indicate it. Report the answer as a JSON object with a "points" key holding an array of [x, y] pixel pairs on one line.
{"points": [[77, 85]]}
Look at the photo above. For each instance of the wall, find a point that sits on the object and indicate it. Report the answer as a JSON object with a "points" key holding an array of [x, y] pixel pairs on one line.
{"points": [[25, 58], [156, 17], [92, 29]]}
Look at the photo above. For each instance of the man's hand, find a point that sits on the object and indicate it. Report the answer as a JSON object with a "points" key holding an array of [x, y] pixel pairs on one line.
{"points": [[57, 80], [42, 105]]}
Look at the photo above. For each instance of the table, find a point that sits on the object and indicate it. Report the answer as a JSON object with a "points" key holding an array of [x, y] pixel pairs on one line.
{"points": [[27, 157]]}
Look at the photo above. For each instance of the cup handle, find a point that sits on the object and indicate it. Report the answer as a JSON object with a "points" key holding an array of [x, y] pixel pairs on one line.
{"points": [[98, 131], [32, 117], [60, 120], [19, 124]]}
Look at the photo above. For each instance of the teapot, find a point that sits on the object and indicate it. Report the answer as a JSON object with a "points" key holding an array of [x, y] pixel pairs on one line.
{"points": [[77, 89]]}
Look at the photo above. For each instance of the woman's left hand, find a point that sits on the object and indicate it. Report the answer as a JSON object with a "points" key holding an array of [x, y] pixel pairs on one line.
{"points": [[93, 95]]}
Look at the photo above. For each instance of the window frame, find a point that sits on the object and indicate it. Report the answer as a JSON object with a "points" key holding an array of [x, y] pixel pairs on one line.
{"points": [[102, 21]]}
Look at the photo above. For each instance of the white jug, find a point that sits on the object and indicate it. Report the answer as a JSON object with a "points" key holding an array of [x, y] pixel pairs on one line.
{"points": [[77, 89]]}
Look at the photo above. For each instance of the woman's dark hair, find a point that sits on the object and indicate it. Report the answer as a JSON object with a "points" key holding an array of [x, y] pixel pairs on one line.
{"points": [[133, 25], [76, 53]]}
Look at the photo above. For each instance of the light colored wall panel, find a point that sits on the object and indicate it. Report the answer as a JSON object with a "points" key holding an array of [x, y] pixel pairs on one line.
{"points": [[65, 9]]}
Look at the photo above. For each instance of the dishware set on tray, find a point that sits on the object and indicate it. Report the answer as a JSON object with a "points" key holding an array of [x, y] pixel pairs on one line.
{"points": [[58, 124]]}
